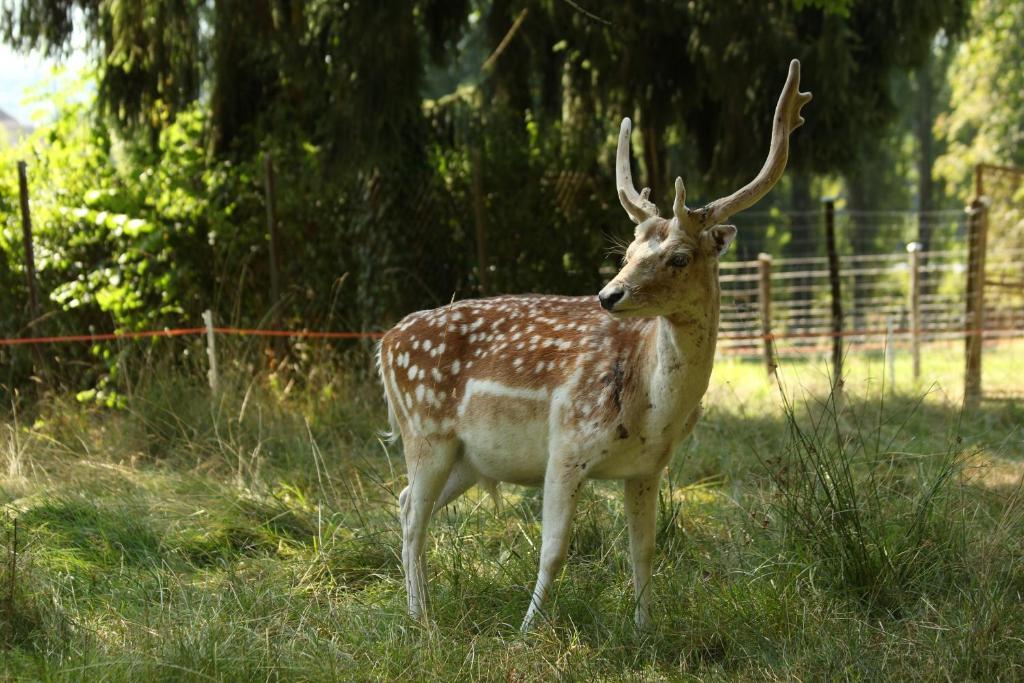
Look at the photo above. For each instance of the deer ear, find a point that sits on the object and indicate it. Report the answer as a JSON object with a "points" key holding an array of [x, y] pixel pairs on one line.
{"points": [[721, 236]]}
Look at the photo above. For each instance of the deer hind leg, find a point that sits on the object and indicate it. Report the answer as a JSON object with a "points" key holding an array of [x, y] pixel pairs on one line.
{"points": [[491, 486], [429, 462], [460, 479], [642, 518], [561, 493]]}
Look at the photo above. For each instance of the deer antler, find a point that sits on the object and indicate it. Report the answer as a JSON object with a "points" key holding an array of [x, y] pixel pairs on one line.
{"points": [[787, 119], [636, 204]]}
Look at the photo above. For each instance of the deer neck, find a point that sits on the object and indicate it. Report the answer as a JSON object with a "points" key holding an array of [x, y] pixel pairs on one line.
{"points": [[684, 350]]}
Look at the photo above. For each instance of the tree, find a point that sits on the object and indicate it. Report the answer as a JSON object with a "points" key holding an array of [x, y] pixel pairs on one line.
{"points": [[344, 74], [985, 121], [693, 79]]}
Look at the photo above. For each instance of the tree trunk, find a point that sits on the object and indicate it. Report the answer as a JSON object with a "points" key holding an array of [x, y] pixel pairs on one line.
{"points": [[926, 153], [925, 119], [804, 238], [241, 73], [653, 137], [864, 229]]}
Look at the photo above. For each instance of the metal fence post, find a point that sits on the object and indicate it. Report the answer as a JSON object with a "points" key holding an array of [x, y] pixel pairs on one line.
{"points": [[977, 238], [914, 254], [837, 302], [764, 268]]}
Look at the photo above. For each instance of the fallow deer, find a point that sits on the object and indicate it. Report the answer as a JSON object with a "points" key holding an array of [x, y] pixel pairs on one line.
{"points": [[556, 390]]}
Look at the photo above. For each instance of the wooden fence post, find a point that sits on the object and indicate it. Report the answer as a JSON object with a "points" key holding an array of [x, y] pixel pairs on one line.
{"points": [[764, 268], [837, 302], [26, 233], [211, 352], [977, 238], [914, 254]]}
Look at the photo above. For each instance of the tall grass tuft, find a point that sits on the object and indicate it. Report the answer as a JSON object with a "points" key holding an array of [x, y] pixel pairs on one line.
{"points": [[885, 525]]}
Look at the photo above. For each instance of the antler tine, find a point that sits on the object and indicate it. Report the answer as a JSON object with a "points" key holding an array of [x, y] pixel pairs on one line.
{"points": [[635, 203], [787, 119], [679, 205]]}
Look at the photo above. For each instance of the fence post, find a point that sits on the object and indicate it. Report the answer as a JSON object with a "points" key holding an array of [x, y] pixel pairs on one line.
{"points": [[837, 303], [26, 233], [211, 352], [977, 238], [764, 268], [914, 254]]}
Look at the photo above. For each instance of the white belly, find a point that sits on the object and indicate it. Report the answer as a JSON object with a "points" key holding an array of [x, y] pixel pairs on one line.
{"points": [[504, 431]]}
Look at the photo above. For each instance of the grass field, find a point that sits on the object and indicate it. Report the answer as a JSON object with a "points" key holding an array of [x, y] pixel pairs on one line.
{"points": [[255, 537]]}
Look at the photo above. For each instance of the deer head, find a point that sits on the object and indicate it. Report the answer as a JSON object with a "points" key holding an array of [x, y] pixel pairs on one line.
{"points": [[673, 263]]}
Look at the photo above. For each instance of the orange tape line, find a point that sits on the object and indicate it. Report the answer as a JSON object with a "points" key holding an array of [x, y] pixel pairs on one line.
{"points": [[308, 334], [239, 331], [104, 336]]}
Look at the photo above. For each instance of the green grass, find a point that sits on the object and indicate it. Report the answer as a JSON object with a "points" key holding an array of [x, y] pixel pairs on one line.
{"points": [[255, 537]]}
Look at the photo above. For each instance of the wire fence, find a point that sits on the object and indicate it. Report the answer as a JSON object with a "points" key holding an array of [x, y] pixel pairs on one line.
{"points": [[876, 300], [876, 288]]}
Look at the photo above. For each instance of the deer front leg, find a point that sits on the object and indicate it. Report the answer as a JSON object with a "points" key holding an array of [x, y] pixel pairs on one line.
{"points": [[561, 491], [642, 516]]}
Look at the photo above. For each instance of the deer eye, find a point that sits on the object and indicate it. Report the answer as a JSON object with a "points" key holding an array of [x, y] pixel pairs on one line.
{"points": [[679, 260]]}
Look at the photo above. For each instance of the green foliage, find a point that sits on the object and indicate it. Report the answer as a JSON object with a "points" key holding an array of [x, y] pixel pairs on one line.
{"points": [[105, 238], [984, 122]]}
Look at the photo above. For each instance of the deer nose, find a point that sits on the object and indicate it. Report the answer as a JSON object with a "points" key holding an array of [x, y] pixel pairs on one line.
{"points": [[609, 299]]}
